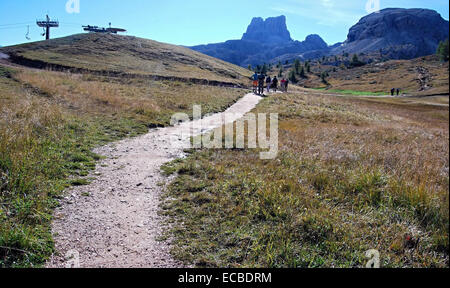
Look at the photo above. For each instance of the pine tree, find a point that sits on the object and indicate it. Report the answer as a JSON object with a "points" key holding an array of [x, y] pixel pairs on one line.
{"points": [[302, 72], [250, 67], [297, 66], [308, 67], [292, 77], [264, 69]]}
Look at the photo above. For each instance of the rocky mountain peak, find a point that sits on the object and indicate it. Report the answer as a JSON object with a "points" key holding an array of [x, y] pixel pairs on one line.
{"points": [[316, 41], [270, 31]]}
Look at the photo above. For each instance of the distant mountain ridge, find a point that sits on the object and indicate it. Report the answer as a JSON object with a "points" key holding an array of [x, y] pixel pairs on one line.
{"points": [[395, 32], [263, 41]]}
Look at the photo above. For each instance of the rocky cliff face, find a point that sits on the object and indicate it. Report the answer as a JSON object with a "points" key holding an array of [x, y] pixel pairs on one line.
{"points": [[399, 33], [270, 31]]}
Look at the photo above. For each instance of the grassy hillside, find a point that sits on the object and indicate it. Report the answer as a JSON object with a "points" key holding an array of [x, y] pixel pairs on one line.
{"points": [[352, 175], [105, 52], [421, 76], [50, 121]]}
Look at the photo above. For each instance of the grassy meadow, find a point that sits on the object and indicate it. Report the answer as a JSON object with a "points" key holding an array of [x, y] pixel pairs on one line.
{"points": [[352, 174]]}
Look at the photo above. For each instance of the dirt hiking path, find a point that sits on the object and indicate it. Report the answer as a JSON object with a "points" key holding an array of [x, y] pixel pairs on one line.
{"points": [[113, 222]]}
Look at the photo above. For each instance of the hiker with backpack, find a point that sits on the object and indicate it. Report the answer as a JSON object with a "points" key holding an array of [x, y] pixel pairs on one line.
{"points": [[275, 83], [255, 82], [261, 78], [268, 83], [283, 85]]}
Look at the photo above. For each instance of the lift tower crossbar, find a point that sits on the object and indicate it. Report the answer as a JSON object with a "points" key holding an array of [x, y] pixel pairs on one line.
{"points": [[47, 24]]}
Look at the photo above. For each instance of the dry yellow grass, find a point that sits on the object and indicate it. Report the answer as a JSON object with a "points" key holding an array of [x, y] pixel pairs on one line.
{"points": [[352, 175], [144, 99]]}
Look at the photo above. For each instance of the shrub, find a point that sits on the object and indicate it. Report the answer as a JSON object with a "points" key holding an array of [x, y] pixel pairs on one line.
{"points": [[356, 62], [442, 50], [323, 77]]}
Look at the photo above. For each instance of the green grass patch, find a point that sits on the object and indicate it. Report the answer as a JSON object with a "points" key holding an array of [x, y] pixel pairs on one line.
{"points": [[34, 174], [79, 182], [6, 72], [352, 92]]}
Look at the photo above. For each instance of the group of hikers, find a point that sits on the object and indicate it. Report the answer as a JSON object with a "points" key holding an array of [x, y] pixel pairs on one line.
{"points": [[393, 91], [261, 81]]}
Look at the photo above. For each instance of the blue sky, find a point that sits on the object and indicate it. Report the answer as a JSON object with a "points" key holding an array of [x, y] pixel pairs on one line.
{"points": [[194, 21]]}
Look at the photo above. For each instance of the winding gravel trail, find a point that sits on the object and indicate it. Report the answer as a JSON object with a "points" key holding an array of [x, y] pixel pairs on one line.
{"points": [[113, 222]]}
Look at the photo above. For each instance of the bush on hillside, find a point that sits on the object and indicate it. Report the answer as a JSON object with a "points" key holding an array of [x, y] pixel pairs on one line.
{"points": [[442, 50]]}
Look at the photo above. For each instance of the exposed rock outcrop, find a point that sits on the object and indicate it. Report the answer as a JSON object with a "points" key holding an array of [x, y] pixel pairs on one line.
{"points": [[398, 33], [271, 31]]}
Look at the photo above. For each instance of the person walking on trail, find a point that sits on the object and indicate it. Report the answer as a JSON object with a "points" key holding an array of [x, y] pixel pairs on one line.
{"points": [[255, 82], [392, 91], [275, 84], [283, 85], [268, 83], [261, 79], [398, 91]]}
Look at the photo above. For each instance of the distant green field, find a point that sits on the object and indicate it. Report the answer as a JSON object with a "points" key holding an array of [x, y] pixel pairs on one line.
{"points": [[352, 92]]}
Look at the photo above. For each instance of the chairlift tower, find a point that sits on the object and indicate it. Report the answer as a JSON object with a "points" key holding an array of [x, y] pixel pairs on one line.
{"points": [[47, 24]]}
